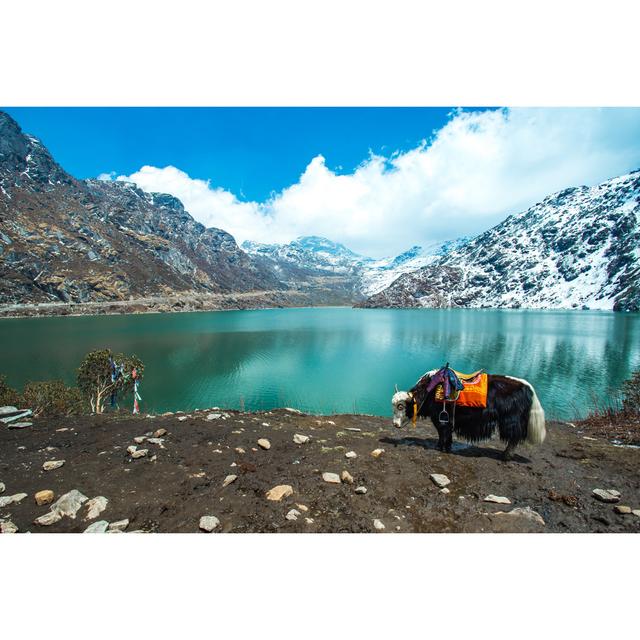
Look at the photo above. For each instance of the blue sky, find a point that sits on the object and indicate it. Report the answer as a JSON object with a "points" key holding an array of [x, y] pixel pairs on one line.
{"points": [[249, 151], [360, 176]]}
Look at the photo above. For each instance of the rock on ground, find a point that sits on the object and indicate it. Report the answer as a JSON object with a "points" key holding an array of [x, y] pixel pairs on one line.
{"points": [[620, 508], [49, 518], [278, 492], [332, 478], [20, 425], [69, 503], [119, 525], [209, 523], [378, 524], [7, 410], [160, 433], [606, 495], [97, 527], [264, 443], [44, 497], [136, 453], [95, 507], [6, 526], [229, 479], [351, 455], [2, 487], [50, 465], [361, 490], [376, 453], [345, 476], [293, 514], [14, 499], [10, 419], [440, 480], [298, 438], [497, 499], [523, 512]]}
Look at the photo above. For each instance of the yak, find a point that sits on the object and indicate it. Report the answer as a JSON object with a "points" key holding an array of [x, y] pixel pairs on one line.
{"points": [[512, 408]]}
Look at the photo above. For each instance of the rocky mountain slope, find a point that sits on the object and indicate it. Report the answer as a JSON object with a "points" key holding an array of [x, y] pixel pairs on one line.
{"points": [[578, 248], [63, 239]]}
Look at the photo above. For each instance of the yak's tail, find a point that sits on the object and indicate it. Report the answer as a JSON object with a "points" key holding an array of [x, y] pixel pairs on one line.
{"points": [[536, 430]]}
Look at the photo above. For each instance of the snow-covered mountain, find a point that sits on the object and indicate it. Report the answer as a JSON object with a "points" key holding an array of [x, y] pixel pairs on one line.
{"points": [[310, 257], [310, 252], [578, 248], [379, 274]]}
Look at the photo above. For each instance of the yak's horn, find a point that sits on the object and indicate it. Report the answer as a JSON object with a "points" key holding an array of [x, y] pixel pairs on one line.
{"points": [[396, 386]]}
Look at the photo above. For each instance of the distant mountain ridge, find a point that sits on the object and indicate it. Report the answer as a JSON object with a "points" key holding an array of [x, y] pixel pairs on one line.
{"points": [[578, 248], [310, 257]]}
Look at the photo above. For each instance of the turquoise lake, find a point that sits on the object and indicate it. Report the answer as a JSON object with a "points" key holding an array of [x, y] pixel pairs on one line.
{"points": [[336, 359]]}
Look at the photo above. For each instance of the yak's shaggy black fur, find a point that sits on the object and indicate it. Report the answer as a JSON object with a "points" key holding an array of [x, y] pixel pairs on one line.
{"points": [[507, 411]]}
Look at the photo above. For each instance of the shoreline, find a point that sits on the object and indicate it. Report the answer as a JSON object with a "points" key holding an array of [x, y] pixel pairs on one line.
{"points": [[227, 302], [188, 303]]}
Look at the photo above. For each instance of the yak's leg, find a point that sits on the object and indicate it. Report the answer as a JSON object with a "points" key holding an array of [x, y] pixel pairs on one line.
{"points": [[448, 438], [511, 447], [441, 437]]}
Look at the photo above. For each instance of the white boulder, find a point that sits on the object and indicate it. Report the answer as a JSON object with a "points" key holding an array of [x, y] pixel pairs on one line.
{"points": [[209, 523], [50, 465], [97, 527], [607, 495], [497, 499], [95, 507], [440, 480]]}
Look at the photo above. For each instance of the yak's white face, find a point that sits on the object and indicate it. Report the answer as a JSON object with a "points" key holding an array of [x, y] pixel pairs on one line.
{"points": [[399, 404]]}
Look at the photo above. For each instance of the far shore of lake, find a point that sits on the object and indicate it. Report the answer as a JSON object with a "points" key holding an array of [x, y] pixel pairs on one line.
{"points": [[194, 302]]}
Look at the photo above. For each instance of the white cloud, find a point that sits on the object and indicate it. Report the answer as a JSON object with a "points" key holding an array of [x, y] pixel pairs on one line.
{"points": [[213, 207], [479, 168]]}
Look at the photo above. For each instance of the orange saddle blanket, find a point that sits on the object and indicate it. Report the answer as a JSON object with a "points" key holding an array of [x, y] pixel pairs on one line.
{"points": [[474, 393]]}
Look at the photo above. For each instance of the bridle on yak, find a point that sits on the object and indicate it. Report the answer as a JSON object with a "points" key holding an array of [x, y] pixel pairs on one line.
{"points": [[414, 417]]}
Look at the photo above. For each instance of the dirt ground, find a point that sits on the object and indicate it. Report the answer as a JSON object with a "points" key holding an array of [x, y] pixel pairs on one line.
{"points": [[180, 480]]}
